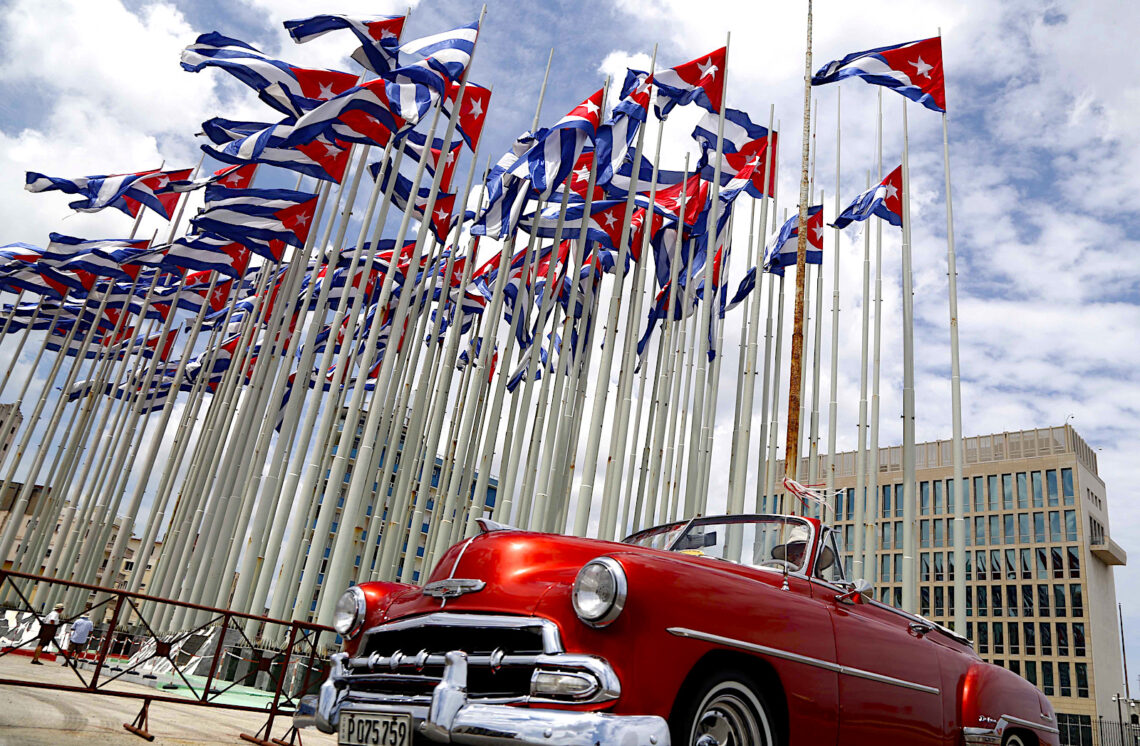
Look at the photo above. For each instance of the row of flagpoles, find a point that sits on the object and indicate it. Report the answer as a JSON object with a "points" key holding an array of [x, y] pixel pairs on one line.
{"points": [[253, 381]]}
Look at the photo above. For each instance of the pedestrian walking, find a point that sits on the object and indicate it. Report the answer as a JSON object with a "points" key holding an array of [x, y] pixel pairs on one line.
{"points": [[77, 638], [48, 627]]}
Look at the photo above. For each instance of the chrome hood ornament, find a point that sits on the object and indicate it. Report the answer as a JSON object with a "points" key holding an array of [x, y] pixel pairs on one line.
{"points": [[453, 587]]}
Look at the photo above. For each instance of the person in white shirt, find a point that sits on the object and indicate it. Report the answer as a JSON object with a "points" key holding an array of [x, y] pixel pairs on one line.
{"points": [[48, 627], [80, 631]]}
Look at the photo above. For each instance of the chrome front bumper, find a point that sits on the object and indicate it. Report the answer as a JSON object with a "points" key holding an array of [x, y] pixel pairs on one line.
{"points": [[451, 718]]}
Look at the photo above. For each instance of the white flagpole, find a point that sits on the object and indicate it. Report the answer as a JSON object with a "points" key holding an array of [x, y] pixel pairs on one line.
{"points": [[859, 567], [774, 424], [833, 404], [675, 460], [700, 433], [742, 372], [910, 588], [872, 486]]}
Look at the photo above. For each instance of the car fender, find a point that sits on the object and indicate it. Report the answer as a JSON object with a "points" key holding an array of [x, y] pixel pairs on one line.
{"points": [[995, 699]]}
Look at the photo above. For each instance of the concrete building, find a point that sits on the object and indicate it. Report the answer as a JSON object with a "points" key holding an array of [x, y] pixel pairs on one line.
{"points": [[8, 437], [1040, 597], [360, 530]]}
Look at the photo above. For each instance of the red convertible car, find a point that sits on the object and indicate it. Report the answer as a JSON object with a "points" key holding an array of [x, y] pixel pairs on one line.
{"points": [[735, 630]]}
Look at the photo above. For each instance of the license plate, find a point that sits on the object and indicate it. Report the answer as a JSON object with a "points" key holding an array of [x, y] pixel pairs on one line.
{"points": [[358, 729]]}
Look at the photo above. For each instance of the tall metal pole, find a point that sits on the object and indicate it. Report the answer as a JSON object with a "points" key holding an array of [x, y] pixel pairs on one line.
{"points": [[833, 403], [910, 590], [792, 441], [872, 485]]}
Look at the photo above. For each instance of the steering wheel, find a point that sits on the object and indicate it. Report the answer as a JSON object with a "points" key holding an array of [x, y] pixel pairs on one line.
{"points": [[779, 563]]}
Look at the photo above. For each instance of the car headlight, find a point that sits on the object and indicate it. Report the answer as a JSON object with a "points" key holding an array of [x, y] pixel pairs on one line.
{"points": [[600, 591], [348, 617]]}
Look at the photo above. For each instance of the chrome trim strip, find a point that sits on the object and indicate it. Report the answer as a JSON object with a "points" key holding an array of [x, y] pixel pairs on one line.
{"points": [[806, 660], [1029, 724]]}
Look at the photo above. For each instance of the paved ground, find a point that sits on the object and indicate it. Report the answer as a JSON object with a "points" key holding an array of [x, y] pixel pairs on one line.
{"points": [[42, 717]]}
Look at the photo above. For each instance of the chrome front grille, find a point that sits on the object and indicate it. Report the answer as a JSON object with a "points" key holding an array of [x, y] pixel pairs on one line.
{"points": [[404, 660]]}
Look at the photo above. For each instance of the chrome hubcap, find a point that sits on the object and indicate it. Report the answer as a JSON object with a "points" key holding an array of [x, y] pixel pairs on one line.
{"points": [[728, 720]]}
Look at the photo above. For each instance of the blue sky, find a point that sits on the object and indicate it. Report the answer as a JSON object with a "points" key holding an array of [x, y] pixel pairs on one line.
{"points": [[1046, 166]]}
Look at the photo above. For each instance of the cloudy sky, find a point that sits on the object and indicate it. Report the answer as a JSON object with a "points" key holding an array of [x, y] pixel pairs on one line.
{"points": [[1042, 96]]}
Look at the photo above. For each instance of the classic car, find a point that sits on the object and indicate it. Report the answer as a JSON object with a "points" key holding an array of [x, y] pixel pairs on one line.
{"points": [[736, 630]]}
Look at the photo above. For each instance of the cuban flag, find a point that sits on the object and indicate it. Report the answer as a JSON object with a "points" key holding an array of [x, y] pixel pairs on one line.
{"points": [[884, 199], [415, 145], [472, 113], [507, 194], [257, 142], [291, 90], [700, 81], [441, 218], [549, 162], [379, 36], [448, 52], [120, 258], [914, 69], [781, 251], [205, 252], [263, 220], [232, 177], [616, 136], [126, 192], [743, 141], [365, 110], [603, 224]]}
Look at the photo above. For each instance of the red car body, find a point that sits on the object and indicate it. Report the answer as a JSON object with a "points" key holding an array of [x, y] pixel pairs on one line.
{"points": [[834, 666]]}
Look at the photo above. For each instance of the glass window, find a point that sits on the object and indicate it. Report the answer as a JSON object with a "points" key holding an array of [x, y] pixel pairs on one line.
{"points": [[979, 494], [1023, 528], [995, 529], [1074, 563], [1009, 535], [898, 571], [1014, 642], [1042, 600], [1058, 600], [1046, 637], [983, 601], [966, 526], [950, 565], [999, 638], [898, 535], [1079, 639], [1011, 600], [939, 600], [1007, 491], [885, 531], [850, 494], [1075, 595], [1027, 600], [981, 565], [938, 536], [924, 498], [1058, 567], [1051, 484], [1042, 563], [1066, 487], [1026, 564], [924, 601], [1038, 494], [1082, 671], [980, 530], [995, 600], [1055, 526], [1063, 679], [1039, 527], [969, 600], [1062, 638], [1022, 490], [1070, 525], [1010, 564], [898, 501], [1031, 672], [939, 567], [983, 637], [924, 532], [924, 567], [992, 489], [1015, 666], [950, 488], [937, 498], [886, 499], [950, 531], [1030, 638], [995, 564], [884, 569]]}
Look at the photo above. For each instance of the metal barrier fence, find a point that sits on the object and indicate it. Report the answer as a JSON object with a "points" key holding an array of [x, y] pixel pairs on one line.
{"points": [[127, 648], [1115, 733]]}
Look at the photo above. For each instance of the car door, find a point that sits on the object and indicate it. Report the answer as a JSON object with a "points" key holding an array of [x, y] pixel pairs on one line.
{"points": [[890, 683]]}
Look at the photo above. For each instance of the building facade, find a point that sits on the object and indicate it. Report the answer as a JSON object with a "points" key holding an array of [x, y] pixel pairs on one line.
{"points": [[10, 420], [1040, 595]]}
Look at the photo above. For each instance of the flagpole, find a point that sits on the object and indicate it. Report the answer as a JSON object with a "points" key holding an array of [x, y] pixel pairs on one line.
{"points": [[677, 441], [872, 489], [956, 446], [833, 380], [774, 424], [766, 394], [742, 371], [910, 595], [862, 499], [700, 430], [792, 444]]}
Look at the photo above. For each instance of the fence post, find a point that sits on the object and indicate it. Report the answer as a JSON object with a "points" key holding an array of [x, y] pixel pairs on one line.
{"points": [[217, 656], [106, 642]]}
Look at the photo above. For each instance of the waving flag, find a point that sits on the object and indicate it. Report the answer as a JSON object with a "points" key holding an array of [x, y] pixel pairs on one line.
{"points": [[291, 90], [700, 81], [743, 141], [232, 177], [256, 142], [121, 258], [616, 136], [202, 252], [473, 113], [549, 161], [379, 36], [448, 52], [126, 192], [261, 219], [781, 252], [365, 110], [884, 199], [507, 193], [603, 223], [415, 145], [914, 69], [441, 218]]}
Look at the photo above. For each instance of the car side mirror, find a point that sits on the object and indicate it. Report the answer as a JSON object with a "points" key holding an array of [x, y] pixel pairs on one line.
{"points": [[857, 592]]}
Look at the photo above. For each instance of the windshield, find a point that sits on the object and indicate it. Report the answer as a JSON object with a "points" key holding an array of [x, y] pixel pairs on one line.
{"points": [[776, 542]]}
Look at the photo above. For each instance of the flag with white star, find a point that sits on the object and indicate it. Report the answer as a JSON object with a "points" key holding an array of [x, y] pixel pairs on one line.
{"points": [[700, 82], [884, 199], [781, 251], [914, 69]]}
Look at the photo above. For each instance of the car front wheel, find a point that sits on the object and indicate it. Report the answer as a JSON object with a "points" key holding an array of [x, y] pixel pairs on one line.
{"points": [[727, 710]]}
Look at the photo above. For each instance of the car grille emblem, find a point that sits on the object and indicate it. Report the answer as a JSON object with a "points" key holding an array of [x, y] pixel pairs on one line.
{"points": [[453, 587]]}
